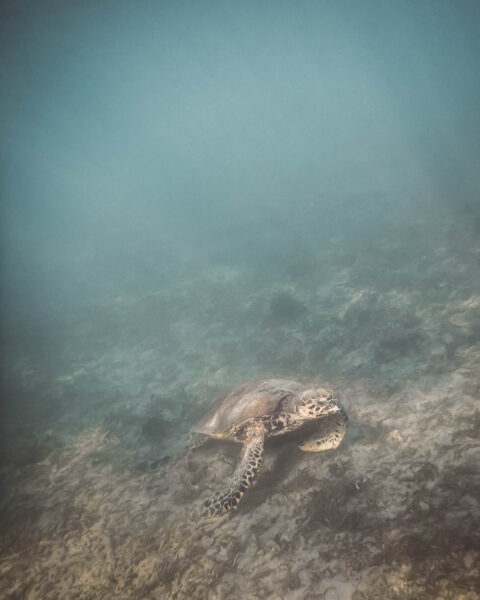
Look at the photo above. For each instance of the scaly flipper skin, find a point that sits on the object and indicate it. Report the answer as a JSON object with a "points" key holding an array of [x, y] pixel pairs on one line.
{"points": [[330, 440], [244, 477], [318, 403], [196, 440]]}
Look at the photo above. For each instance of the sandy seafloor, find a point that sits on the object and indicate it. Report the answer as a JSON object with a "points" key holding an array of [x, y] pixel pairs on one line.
{"points": [[101, 499]]}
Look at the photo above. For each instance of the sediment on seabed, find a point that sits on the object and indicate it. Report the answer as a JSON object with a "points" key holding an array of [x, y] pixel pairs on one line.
{"points": [[101, 499]]}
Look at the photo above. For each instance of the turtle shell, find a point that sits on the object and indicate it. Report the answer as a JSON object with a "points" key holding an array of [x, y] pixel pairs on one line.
{"points": [[251, 400]]}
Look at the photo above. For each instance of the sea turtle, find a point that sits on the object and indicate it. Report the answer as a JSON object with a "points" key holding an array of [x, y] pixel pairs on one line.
{"points": [[261, 409]]}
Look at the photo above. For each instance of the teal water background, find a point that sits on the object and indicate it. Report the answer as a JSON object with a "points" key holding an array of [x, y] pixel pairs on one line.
{"points": [[195, 194]]}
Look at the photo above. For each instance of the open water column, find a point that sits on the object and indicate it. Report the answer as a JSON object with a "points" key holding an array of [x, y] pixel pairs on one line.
{"points": [[200, 195]]}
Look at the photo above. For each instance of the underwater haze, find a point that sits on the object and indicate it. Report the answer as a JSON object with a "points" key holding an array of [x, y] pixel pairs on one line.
{"points": [[199, 194]]}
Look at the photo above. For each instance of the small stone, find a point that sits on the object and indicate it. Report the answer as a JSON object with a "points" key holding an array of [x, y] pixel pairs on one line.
{"points": [[459, 320], [394, 580], [469, 560], [396, 435]]}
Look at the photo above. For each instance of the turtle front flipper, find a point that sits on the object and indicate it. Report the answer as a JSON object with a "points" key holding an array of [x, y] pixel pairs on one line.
{"points": [[330, 438], [244, 476]]}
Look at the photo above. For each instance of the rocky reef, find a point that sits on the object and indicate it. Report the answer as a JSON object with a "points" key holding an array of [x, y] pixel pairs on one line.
{"points": [[102, 499]]}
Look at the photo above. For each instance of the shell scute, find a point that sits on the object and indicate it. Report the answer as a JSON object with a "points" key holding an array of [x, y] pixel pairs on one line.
{"points": [[251, 400]]}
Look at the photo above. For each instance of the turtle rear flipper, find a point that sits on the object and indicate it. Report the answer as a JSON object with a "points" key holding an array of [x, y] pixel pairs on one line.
{"points": [[244, 477], [196, 440]]}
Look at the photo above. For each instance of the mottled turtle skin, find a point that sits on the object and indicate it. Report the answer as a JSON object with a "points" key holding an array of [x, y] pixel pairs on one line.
{"points": [[260, 409]]}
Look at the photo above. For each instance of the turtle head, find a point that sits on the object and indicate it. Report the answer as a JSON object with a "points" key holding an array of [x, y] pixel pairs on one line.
{"points": [[317, 402]]}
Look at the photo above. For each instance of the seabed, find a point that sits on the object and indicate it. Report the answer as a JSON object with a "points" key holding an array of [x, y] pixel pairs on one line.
{"points": [[102, 500]]}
